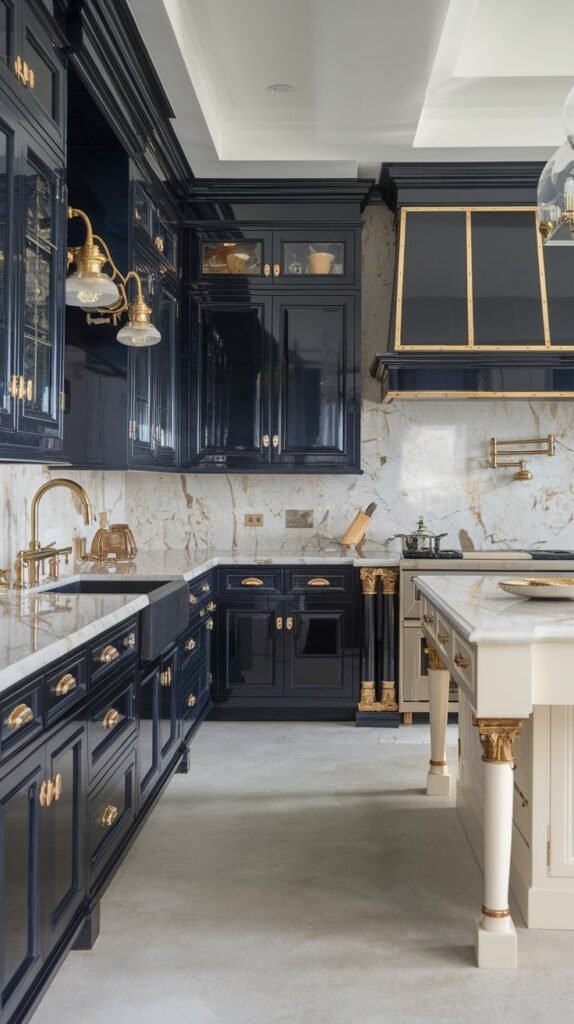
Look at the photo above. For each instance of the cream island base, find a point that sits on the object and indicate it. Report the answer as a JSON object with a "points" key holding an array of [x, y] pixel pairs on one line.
{"points": [[514, 663]]}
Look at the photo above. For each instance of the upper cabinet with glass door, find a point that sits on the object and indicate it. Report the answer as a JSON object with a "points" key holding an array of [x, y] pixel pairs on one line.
{"points": [[290, 257], [32, 65], [232, 256]]}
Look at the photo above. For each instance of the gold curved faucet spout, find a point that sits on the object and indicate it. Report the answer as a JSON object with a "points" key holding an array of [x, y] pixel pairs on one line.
{"points": [[77, 489]]}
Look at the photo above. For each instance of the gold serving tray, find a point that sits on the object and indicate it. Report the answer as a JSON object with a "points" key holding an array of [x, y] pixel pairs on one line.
{"points": [[553, 587]]}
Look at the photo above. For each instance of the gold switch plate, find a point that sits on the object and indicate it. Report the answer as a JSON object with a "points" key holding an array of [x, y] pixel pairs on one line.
{"points": [[253, 519]]}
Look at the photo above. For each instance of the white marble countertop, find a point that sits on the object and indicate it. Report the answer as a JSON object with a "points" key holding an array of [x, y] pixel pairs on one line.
{"points": [[483, 613]]}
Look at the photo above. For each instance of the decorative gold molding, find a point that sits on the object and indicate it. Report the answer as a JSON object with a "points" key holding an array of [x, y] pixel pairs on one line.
{"points": [[495, 913], [369, 580], [367, 701], [497, 736], [390, 395], [388, 696], [390, 580], [438, 764], [372, 574], [434, 660]]}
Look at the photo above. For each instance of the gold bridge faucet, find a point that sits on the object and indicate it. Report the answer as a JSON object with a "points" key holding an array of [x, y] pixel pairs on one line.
{"points": [[30, 560]]}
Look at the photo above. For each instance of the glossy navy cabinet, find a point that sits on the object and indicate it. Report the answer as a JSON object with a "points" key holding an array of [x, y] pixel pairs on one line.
{"points": [[159, 723]]}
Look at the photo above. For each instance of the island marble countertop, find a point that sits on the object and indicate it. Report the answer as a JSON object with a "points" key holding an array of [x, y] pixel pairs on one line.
{"points": [[39, 626], [483, 613]]}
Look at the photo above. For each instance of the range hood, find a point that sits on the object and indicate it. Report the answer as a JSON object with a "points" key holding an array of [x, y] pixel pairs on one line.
{"points": [[480, 308]]}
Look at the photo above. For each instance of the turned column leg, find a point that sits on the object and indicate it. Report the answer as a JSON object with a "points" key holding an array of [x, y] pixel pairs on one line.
{"points": [[438, 778], [496, 944]]}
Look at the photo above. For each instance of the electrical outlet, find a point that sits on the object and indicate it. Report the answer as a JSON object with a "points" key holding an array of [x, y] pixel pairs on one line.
{"points": [[253, 519]]}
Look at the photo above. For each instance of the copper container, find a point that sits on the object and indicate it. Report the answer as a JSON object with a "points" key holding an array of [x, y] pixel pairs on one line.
{"points": [[117, 540]]}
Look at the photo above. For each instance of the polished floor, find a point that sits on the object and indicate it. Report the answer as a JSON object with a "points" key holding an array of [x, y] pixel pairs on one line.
{"points": [[298, 875]]}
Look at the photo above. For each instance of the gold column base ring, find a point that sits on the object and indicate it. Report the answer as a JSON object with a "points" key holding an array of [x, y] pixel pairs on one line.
{"points": [[495, 913], [438, 764]]}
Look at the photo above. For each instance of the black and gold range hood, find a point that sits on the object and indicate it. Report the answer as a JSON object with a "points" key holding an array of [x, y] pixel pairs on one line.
{"points": [[480, 308]]}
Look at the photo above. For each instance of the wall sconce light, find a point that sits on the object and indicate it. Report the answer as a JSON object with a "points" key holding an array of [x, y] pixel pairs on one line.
{"points": [[508, 449], [95, 291]]}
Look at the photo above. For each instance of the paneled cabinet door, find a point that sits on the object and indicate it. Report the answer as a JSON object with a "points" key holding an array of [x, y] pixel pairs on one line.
{"points": [[66, 829], [307, 257], [314, 374], [149, 757], [8, 216], [318, 652], [22, 878], [229, 422], [41, 307], [250, 655], [168, 718]]}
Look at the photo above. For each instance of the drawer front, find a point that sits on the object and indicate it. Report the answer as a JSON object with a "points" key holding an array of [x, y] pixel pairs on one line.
{"points": [[193, 646], [111, 649], [250, 581], [201, 590], [318, 581], [21, 716], [111, 811], [111, 722], [67, 685]]}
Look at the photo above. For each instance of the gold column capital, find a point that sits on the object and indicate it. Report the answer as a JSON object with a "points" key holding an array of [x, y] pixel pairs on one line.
{"points": [[434, 660], [369, 576], [497, 736], [390, 580], [368, 700]]}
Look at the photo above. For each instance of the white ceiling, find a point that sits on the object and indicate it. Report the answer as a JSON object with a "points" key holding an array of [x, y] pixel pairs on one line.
{"points": [[374, 81]]}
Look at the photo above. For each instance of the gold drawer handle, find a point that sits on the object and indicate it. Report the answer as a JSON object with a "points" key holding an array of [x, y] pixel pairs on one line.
{"points": [[21, 715], [211, 606], [109, 815], [276, 270], [130, 640], [202, 613], [111, 719], [275, 440], [265, 440], [267, 270], [192, 599], [252, 581], [65, 685], [58, 787], [190, 644], [47, 791], [279, 622], [108, 654], [210, 624], [191, 700], [166, 677], [429, 619], [289, 622], [460, 661], [442, 638], [319, 581]]}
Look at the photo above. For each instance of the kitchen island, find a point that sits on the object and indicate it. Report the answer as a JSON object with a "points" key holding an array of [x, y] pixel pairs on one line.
{"points": [[513, 662]]}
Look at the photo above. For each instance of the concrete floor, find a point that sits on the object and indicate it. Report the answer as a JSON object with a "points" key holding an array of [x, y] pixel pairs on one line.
{"points": [[298, 875]]}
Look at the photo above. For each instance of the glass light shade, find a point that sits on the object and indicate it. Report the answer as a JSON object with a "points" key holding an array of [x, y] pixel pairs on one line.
{"points": [[89, 289], [138, 335], [556, 186]]}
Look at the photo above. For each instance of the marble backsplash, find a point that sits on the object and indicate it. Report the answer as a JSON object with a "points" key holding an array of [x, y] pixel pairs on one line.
{"points": [[418, 457]]}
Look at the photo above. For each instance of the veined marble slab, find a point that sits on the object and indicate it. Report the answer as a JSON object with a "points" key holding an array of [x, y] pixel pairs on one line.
{"points": [[486, 614]]}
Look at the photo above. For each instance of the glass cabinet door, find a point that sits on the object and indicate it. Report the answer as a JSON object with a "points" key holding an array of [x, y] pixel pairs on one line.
{"points": [[313, 378], [41, 282], [233, 254], [141, 432], [43, 90], [321, 257], [7, 40], [8, 383], [164, 371]]}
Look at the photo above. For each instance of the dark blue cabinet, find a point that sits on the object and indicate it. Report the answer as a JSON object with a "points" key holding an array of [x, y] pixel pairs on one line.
{"points": [[159, 720]]}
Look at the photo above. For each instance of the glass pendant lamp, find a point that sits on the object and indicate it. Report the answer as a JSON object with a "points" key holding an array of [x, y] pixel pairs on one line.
{"points": [[556, 187], [139, 331], [87, 286]]}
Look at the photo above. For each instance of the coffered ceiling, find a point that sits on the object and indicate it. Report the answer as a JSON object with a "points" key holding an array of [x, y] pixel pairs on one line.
{"points": [[372, 81]]}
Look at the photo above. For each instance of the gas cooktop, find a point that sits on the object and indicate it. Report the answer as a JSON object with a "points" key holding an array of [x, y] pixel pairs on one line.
{"points": [[542, 554]]}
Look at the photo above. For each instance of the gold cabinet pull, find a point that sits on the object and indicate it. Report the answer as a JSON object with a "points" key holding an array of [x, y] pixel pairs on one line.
{"points": [[43, 794], [265, 440], [461, 661], [192, 599], [210, 624], [190, 644], [21, 715], [108, 654], [267, 270], [191, 700], [252, 581], [14, 386], [130, 640], [109, 815], [275, 440], [28, 390], [202, 613], [159, 243], [289, 622], [65, 685], [165, 677], [442, 638], [279, 622], [111, 719], [319, 581], [206, 588], [429, 619], [50, 789], [211, 606], [58, 787], [276, 270]]}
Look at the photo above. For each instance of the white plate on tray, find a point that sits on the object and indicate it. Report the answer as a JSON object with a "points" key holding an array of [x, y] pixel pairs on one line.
{"points": [[542, 587]]}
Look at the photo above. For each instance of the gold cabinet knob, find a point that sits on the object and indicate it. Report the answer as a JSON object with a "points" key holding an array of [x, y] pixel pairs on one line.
{"points": [[109, 815], [48, 791], [442, 638], [461, 661], [108, 654], [429, 619], [252, 581], [65, 685], [211, 606], [192, 599], [279, 622], [267, 270], [130, 640], [190, 644], [19, 716], [43, 794], [206, 587], [289, 622], [202, 613], [191, 700], [210, 624], [276, 270], [111, 719], [275, 440], [265, 440], [58, 787]]}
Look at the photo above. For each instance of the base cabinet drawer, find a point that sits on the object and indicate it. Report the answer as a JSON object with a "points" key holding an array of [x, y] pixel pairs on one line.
{"points": [[112, 722], [111, 812], [108, 651], [21, 716], [67, 686]]}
